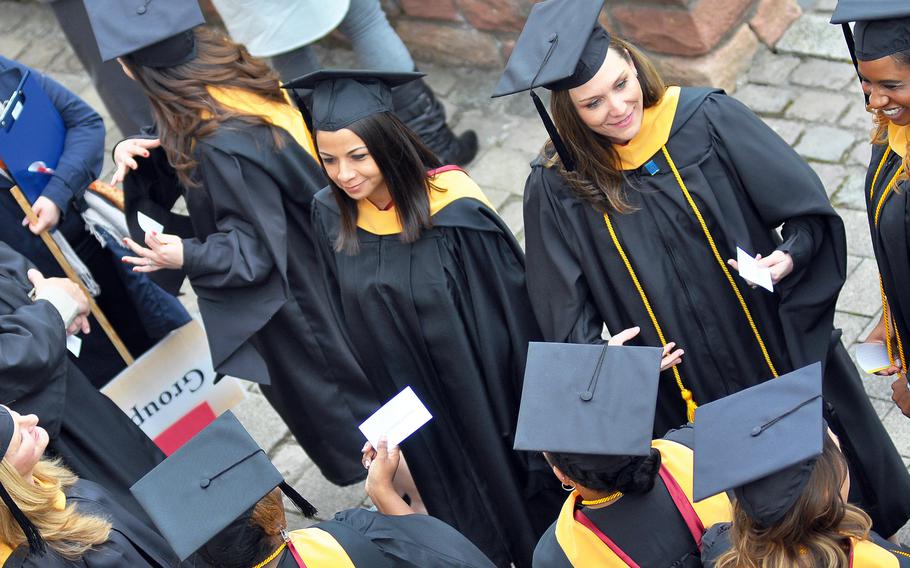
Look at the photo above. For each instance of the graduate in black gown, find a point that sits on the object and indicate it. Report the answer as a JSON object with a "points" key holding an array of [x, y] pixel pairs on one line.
{"points": [[591, 410], [90, 433], [769, 446], [66, 521], [236, 150], [633, 214], [430, 282], [882, 56], [235, 516]]}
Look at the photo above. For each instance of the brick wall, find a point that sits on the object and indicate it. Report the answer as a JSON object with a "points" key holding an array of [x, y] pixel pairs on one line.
{"points": [[694, 41]]}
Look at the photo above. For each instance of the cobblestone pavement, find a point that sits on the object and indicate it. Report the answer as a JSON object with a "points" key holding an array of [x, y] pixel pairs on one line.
{"points": [[806, 91]]}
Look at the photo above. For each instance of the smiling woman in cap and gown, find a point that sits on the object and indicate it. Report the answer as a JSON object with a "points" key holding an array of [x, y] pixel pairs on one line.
{"points": [[237, 151], [219, 494], [50, 518], [634, 211], [591, 410], [880, 47], [431, 283], [768, 445]]}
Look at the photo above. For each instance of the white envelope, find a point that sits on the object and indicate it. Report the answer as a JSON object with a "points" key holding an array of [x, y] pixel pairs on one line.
{"points": [[147, 224], [752, 271], [397, 419], [74, 344], [872, 357]]}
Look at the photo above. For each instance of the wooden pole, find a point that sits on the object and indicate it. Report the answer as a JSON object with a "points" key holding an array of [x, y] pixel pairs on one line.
{"points": [[71, 274]]}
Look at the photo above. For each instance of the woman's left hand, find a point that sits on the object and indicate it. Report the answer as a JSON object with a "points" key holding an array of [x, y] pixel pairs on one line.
{"points": [[164, 251], [382, 467], [778, 262]]}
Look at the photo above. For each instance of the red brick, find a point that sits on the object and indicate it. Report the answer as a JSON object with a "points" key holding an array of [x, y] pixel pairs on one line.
{"points": [[431, 9], [450, 44], [677, 31], [496, 15], [720, 68], [772, 18]]}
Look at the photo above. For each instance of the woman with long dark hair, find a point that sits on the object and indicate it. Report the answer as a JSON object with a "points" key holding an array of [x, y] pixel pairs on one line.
{"points": [[230, 143], [633, 215], [431, 285]]}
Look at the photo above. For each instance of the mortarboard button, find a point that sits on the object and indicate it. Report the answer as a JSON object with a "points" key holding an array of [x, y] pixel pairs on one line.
{"points": [[205, 483]]}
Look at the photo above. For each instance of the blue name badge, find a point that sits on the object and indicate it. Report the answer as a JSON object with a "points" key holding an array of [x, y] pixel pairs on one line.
{"points": [[651, 167]]}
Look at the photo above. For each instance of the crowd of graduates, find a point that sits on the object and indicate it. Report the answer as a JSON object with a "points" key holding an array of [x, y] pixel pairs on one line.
{"points": [[613, 394]]}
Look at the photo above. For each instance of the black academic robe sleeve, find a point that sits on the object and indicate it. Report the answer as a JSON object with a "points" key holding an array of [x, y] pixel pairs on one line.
{"points": [[784, 190], [32, 346], [562, 300]]}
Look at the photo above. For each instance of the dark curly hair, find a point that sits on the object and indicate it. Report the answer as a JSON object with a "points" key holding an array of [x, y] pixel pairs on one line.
{"points": [[629, 474]]}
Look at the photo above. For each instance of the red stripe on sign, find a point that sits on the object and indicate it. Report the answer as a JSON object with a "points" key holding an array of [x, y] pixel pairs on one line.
{"points": [[185, 428]]}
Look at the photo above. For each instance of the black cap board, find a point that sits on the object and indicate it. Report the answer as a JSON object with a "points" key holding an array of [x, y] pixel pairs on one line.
{"points": [[341, 97], [761, 442], [208, 483], [588, 399], [562, 46], [36, 543], [153, 33]]}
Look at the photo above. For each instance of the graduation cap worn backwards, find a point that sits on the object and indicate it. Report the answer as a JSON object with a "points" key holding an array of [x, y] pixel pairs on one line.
{"points": [[153, 33], [761, 442], [562, 46], [341, 97], [588, 399], [208, 483]]}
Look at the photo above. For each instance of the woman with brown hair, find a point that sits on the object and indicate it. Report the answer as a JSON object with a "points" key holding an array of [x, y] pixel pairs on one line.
{"points": [[635, 210], [230, 143]]}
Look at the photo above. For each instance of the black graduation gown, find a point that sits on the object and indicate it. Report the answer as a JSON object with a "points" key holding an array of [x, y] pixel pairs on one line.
{"points": [[89, 432], [746, 182], [374, 540], [131, 543], [448, 315], [252, 263]]}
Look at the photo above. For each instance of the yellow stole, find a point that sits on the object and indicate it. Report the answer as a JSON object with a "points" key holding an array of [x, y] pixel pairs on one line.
{"points": [[584, 549], [450, 186], [898, 139], [284, 116], [866, 553], [59, 504], [654, 133], [318, 549]]}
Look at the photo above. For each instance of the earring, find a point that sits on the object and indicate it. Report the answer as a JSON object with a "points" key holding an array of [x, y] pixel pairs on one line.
{"points": [[568, 488]]}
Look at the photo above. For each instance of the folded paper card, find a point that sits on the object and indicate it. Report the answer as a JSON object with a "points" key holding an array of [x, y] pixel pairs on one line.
{"points": [[148, 224], [751, 270], [872, 357], [397, 419]]}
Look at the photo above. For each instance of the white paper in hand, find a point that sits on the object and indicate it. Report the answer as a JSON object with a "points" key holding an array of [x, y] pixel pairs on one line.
{"points": [[74, 344], [752, 271], [872, 357], [397, 419], [147, 224]]}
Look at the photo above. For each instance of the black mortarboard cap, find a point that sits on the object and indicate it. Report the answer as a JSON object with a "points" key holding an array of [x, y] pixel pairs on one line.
{"points": [[153, 33], [562, 46], [761, 442], [36, 544], [588, 399], [341, 97], [204, 486]]}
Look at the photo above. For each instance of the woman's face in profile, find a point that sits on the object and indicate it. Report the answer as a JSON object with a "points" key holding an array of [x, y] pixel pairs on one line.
{"points": [[27, 445], [887, 83], [350, 166], [611, 103]]}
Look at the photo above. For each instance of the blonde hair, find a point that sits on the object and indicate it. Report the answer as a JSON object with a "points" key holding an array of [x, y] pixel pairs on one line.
{"points": [[816, 531], [67, 532]]}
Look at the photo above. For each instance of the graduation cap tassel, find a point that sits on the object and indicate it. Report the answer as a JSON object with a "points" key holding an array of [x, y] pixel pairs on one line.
{"points": [[308, 510], [36, 544], [567, 161]]}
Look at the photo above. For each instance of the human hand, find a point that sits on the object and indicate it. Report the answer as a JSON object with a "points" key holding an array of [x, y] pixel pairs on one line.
{"points": [[382, 468], [125, 153], [71, 289], [48, 216], [670, 358], [164, 251], [900, 394], [779, 263]]}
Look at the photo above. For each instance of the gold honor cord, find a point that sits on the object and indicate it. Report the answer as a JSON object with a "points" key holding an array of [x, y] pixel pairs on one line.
{"points": [[272, 556], [886, 308]]}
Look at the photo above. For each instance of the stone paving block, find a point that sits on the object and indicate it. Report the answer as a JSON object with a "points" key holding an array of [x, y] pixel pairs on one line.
{"points": [[824, 143], [768, 68], [851, 325], [832, 175], [526, 135], [328, 498], [497, 197], [825, 5], [813, 36], [263, 423], [504, 169], [489, 132], [512, 214], [851, 194], [833, 75], [789, 130], [898, 426], [765, 100], [818, 106], [883, 407], [11, 46], [291, 461], [857, 295], [856, 117], [76, 82], [438, 79], [856, 224], [14, 14], [861, 154]]}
